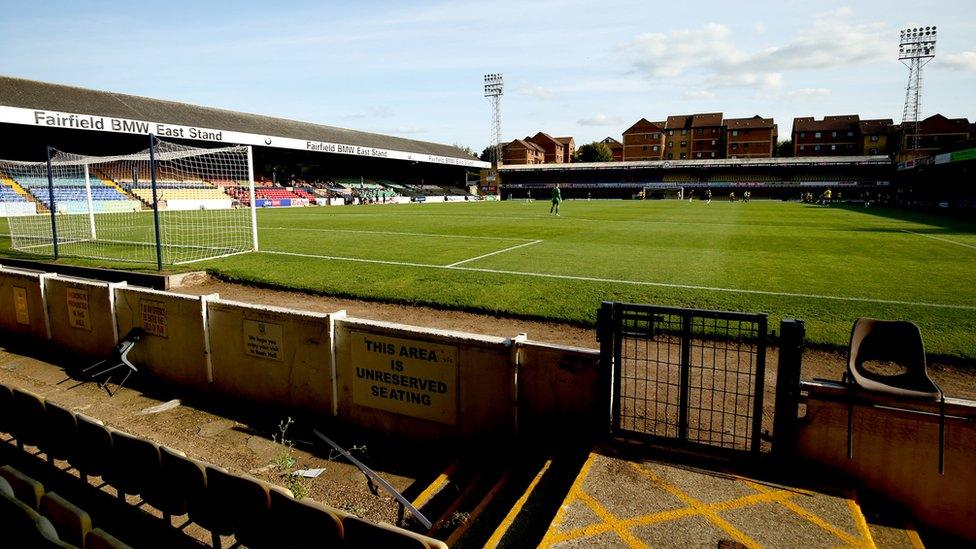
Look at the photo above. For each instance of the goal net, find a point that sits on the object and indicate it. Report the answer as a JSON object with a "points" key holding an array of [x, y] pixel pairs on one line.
{"points": [[167, 205]]}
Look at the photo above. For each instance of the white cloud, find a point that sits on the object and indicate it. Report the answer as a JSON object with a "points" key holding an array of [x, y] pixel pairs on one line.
{"points": [[377, 111], [538, 92], [699, 94], [805, 93], [400, 130], [710, 57], [962, 61], [600, 120], [759, 27]]}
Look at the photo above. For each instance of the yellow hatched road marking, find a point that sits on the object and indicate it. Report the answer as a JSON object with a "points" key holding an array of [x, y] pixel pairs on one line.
{"points": [[810, 517], [862, 523], [699, 506], [506, 523], [570, 497]]}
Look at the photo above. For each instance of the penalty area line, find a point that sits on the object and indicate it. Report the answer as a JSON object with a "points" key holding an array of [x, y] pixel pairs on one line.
{"points": [[394, 233], [632, 282], [510, 248]]}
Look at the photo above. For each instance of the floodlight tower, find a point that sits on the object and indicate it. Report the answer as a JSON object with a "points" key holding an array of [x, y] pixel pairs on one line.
{"points": [[915, 49], [493, 91]]}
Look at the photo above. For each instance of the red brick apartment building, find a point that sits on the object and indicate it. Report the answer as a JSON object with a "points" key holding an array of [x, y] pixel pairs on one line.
{"points": [[644, 141], [832, 136], [569, 147], [877, 136], [616, 148], [935, 132], [553, 148], [753, 137], [678, 130], [522, 151], [708, 136]]}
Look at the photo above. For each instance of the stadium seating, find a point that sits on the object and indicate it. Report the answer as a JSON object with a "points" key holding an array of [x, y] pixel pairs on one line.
{"points": [[258, 514], [204, 193]]}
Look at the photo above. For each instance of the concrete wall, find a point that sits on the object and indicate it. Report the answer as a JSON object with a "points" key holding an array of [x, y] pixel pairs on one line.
{"points": [[896, 452], [175, 345], [81, 314], [22, 303], [271, 355], [562, 391], [424, 383]]}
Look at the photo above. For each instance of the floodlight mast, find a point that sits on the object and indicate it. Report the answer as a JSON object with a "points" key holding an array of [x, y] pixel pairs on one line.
{"points": [[916, 47], [493, 91]]}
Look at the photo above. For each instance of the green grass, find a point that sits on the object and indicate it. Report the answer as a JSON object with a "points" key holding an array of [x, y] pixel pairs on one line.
{"points": [[762, 246]]}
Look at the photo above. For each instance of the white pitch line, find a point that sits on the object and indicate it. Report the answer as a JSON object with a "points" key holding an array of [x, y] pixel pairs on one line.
{"points": [[635, 282], [394, 233], [963, 244], [494, 253]]}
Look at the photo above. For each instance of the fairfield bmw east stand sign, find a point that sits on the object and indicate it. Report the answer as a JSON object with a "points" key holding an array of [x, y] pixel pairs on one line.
{"points": [[87, 122]]}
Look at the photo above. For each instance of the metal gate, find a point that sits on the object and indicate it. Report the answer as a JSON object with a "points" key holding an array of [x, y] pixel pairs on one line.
{"points": [[686, 375]]}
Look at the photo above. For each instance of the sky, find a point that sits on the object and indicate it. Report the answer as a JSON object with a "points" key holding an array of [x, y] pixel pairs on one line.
{"points": [[580, 68]]}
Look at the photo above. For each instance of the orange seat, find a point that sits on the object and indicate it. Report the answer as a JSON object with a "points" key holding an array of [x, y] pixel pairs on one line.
{"points": [[26, 489], [71, 523], [60, 432]]}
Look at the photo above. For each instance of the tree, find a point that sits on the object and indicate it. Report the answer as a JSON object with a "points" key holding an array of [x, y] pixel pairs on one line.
{"points": [[467, 150], [595, 152], [784, 148], [487, 154]]}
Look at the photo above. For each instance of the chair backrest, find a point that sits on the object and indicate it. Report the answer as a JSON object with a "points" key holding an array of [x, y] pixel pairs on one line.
{"points": [[235, 501], [94, 448], [6, 409], [71, 523], [295, 522], [135, 463], [894, 341], [26, 489], [100, 539], [60, 431], [26, 526], [182, 483], [28, 417]]}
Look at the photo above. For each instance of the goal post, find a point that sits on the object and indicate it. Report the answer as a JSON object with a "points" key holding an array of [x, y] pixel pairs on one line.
{"points": [[169, 204]]}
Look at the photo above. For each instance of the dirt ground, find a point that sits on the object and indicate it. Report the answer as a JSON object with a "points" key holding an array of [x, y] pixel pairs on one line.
{"points": [[957, 381]]}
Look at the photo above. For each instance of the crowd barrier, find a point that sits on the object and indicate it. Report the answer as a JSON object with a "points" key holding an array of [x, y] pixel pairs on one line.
{"points": [[384, 377]]}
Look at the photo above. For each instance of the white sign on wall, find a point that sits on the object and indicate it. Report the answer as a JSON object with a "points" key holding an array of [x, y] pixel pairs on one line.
{"points": [[75, 121]]}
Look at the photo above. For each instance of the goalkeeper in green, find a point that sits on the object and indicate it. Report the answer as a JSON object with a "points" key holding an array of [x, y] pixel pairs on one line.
{"points": [[557, 197]]}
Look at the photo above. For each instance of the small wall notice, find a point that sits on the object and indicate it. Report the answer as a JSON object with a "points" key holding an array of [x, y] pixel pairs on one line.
{"points": [[270, 355], [423, 383], [81, 315], [22, 303], [175, 345]]}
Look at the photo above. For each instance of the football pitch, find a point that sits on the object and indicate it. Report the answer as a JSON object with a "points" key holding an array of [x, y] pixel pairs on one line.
{"points": [[827, 266]]}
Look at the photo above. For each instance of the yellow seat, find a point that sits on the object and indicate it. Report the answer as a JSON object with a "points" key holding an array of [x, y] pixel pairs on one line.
{"points": [[71, 523]]}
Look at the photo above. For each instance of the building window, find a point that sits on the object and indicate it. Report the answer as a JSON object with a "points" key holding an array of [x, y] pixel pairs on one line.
{"points": [[698, 131], [684, 143], [874, 138], [803, 134], [683, 155], [670, 156], [817, 148], [713, 154], [746, 145], [735, 133], [833, 134], [802, 147], [817, 135], [735, 146], [684, 132], [670, 144], [713, 141], [874, 151], [833, 147], [654, 148], [850, 134], [698, 155], [670, 132]]}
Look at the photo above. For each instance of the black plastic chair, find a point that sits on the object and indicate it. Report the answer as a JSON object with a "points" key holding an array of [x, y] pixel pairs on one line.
{"points": [[899, 342]]}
